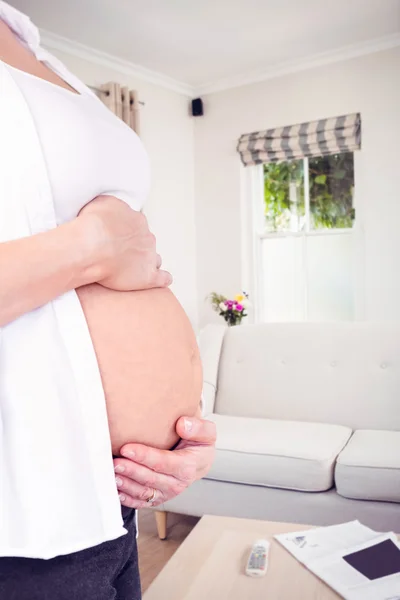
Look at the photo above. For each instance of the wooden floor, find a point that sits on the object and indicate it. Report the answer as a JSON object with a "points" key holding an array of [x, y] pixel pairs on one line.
{"points": [[154, 553]]}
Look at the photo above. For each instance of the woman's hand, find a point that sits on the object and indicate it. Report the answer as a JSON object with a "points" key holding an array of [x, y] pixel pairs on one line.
{"points": [[146, 470], [107, 243], [123, 248]]}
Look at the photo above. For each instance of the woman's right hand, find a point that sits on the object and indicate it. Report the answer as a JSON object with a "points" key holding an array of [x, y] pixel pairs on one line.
{"points": [[124, 249]]}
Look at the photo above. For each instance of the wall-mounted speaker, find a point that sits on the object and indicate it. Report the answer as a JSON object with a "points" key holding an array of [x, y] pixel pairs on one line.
{"points": [[197, 107]]}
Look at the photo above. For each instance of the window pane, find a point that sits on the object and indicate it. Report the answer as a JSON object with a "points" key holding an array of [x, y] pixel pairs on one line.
{"points": [[284, 196], [307, 278], [283, 279], [331, 191], [329, 277]]}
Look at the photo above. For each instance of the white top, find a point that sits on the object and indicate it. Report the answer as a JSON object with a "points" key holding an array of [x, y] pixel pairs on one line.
{"points": [[57, 486], [88, 151]]}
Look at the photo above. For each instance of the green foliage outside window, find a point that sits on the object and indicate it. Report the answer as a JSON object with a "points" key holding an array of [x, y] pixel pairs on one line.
{"points": [[331, 185]]}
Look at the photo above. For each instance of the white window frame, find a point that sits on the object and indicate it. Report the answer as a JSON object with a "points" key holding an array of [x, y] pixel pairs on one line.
{"points": [[254, 232]]}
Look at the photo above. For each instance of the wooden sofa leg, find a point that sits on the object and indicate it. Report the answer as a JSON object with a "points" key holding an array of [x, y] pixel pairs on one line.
{"points": [[161, 520]]}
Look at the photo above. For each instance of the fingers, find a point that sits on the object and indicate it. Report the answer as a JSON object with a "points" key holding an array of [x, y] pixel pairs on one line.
{"points": [[161, 279], [181, 466], [196, 430], [165, 485], [135, 502], [151, 240], [136, 484], [158, 261], [134, 492], [132, 502]]}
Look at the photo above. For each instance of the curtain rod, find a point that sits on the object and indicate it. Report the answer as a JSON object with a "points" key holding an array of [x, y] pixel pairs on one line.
{"points": [[99, 91]]}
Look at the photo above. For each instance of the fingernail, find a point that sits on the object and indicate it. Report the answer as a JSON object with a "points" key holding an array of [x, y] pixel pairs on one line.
{"points": [[119, 468], [122, 497], [118, 481], [188, 425]]}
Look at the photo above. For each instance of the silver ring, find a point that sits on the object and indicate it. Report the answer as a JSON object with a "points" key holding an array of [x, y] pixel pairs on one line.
{"points": [[152, 498]]}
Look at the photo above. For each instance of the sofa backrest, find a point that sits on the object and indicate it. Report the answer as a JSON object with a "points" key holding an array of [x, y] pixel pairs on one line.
{"points": [[343, 373]]}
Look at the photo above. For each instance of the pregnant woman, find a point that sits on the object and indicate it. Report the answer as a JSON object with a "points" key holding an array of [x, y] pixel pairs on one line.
{"points": [[97, 356]]}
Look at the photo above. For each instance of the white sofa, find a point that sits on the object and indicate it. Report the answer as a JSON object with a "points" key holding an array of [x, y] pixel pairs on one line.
{"points": [[308, 419]]}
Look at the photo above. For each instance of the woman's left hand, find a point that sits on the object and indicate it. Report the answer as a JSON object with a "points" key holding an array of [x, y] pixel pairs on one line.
{"points": [[145, 471]]}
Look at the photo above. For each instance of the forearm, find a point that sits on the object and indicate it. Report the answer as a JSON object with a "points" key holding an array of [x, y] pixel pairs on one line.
{"points": [[37, 269]]}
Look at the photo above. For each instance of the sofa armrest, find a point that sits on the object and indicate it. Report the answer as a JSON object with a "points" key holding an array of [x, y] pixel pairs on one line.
{"points": [[210, 344]]}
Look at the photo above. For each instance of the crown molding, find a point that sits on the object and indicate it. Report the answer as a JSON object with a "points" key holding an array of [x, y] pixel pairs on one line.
{"points": [[317, 60], [53, 41]]}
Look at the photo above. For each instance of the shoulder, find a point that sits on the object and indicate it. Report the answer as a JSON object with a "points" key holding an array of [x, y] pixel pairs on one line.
{"points": [[21, 25], [29, 36]]}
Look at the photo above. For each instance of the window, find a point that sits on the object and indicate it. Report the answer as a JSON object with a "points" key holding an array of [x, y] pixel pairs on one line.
{"points": [[304, 239]]}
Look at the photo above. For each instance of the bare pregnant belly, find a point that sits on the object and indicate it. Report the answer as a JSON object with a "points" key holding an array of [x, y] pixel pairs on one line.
{"points": [[148, 359]]}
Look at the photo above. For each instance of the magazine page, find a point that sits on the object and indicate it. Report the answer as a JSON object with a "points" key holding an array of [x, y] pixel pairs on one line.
{"points": [[368, 571], [324, 541]]}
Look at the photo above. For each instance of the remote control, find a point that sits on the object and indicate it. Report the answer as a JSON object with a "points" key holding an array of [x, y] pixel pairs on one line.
{"points": [[258, 560]]}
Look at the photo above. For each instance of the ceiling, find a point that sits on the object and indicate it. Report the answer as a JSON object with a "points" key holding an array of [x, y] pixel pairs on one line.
{"points": [[206, 44]]}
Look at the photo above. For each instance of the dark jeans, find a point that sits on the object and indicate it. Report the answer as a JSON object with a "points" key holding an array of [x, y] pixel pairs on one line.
{"points": [[108, 571]]}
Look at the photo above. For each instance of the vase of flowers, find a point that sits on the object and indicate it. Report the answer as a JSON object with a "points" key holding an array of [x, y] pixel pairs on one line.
{"points": [[233, 311]]}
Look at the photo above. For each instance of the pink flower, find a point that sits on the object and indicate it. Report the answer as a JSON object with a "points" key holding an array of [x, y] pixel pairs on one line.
{"points": [[239, 307]]}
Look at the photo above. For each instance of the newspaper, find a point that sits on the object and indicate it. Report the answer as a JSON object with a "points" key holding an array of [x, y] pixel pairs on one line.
{"points": [[355, 561]]}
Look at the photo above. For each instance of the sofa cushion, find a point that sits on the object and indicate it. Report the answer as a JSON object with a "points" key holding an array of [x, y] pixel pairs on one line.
{"points": [[285, 454], [369, 466]]}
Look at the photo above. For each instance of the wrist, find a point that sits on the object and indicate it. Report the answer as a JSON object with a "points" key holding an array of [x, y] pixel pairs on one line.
{"points": [[87, 259]]}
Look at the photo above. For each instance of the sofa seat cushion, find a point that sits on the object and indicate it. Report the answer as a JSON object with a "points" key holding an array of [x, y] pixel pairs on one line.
{"points": [[285, 454], [369, 466]]}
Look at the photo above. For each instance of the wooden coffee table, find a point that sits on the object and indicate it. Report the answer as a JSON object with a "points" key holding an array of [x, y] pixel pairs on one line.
{"points": [[210, 564]]}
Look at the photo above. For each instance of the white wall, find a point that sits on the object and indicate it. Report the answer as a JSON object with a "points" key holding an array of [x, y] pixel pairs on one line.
{"points": [[370, 85], [167, 133]]}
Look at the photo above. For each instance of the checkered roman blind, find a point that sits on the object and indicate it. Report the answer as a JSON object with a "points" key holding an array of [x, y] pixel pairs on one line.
{"points": [[316, 138]]}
